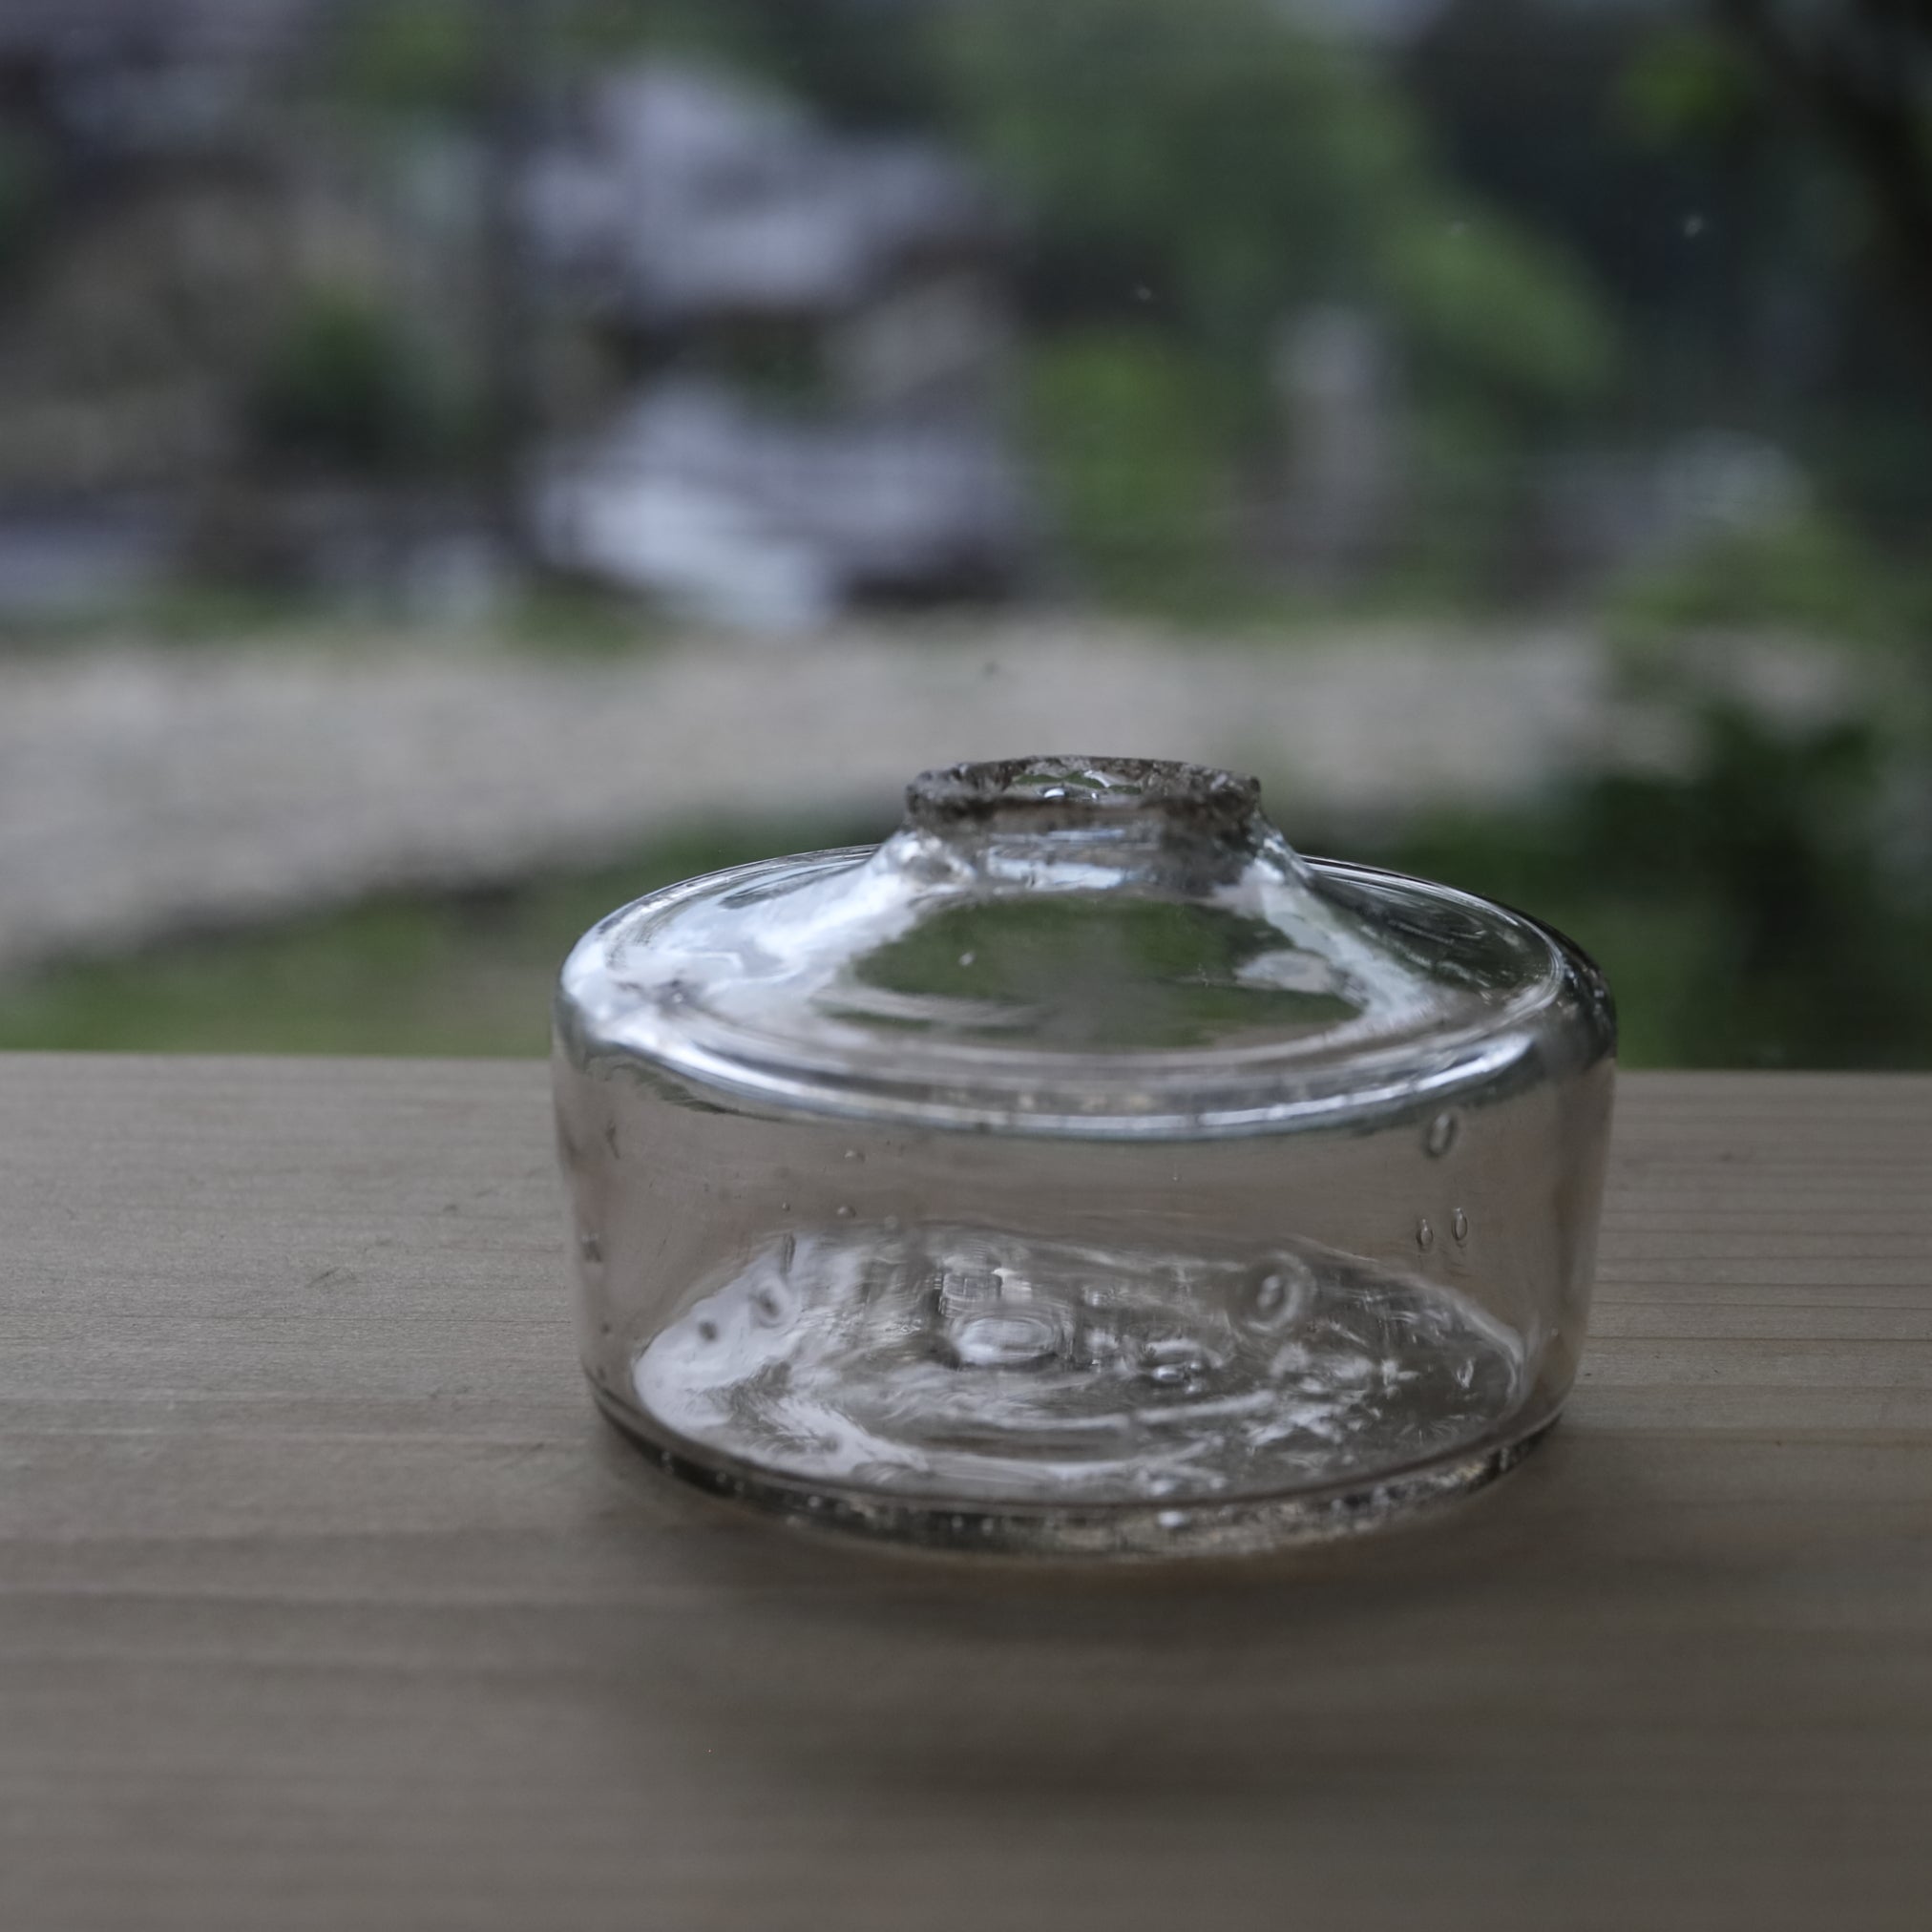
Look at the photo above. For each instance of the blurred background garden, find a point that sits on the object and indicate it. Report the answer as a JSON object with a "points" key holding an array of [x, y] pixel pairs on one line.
{"points": [[465, 462]]}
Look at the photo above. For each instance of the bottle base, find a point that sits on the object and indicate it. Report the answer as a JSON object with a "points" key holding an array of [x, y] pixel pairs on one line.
{"points": [[1224, 1526]]}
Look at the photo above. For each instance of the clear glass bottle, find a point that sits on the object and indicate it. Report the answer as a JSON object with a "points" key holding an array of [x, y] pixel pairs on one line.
{"points": [[1082, 1172]]}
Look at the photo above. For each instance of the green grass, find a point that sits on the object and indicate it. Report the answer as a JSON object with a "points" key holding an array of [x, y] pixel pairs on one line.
{"points": [[467, 972]]}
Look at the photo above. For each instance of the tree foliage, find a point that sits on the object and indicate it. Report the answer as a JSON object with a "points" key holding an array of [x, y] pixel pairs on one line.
{"points": [[1233, 165]]}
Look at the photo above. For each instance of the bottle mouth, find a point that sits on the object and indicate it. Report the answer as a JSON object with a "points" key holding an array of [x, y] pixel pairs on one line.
{"points": [[1064, 793]]}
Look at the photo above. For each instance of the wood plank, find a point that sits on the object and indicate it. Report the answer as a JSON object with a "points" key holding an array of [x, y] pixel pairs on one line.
{"points": [[325, 1601]]}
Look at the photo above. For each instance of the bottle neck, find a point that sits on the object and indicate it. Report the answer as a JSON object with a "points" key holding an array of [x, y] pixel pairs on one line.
{"points": [[1085, 825], [1039, 797]]}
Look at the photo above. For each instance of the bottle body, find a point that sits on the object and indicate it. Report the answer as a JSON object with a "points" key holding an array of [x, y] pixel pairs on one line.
{"points": [[1087, 1342]]}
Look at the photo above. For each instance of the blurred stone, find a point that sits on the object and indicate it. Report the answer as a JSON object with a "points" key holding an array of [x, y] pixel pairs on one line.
{"points": [[684, 198], [749, 519]]}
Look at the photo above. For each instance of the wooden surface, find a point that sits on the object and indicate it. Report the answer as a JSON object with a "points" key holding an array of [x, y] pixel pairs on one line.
{"points": [[326, 1602]]}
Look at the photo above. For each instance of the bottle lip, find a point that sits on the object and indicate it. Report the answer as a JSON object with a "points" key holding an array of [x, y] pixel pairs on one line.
{"points": [[1058, 793]]}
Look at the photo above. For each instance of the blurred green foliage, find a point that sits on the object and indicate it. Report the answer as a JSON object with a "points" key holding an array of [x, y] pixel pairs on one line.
{"points": [[1685, 80], [1204, 172], [1210, 150], [1807, 575], [1130, 437], [1746, 262], [1744, 909], [23, 193], [413, 56], [1235, 165], [1497, 313], [347, 384]]}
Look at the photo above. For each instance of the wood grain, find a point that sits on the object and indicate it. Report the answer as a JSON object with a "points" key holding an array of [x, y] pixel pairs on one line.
{"points": [[325, 1601]]}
